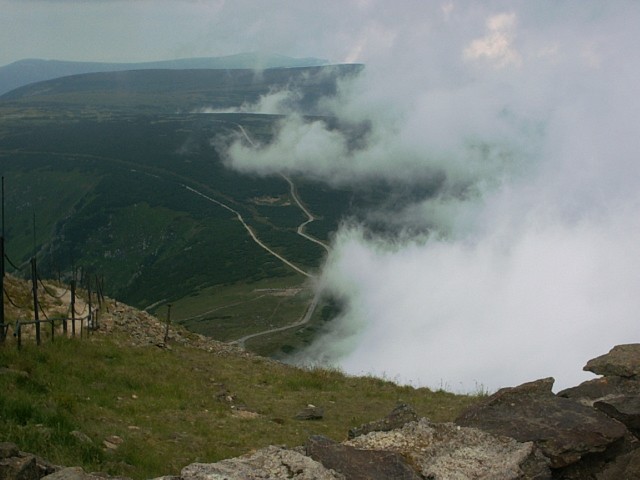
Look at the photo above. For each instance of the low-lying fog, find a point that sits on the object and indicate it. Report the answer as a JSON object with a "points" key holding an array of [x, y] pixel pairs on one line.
{"points": [[526, 263]]}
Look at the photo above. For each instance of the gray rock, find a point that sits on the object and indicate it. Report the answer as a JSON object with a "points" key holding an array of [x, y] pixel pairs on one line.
{"points": [[8, 450], [621, 361], [618, 397], [81, 437], [399, 417], [70, 473], [310, 412], [625, 409], [445, 451], [77, 473], [19, 468], [597, 389], [269, 463], [563, 429], [358, 464], [625, 467]]}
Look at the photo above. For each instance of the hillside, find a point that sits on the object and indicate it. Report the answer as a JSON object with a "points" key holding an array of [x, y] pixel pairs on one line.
{"points": [[28, 71], [122, 402], [114, 174]]}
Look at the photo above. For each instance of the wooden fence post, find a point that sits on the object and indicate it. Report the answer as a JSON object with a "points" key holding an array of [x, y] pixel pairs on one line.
{"points": [[34, 284], [166, 331], [73, 306]]}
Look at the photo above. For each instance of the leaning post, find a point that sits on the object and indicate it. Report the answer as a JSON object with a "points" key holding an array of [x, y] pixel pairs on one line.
{"points": [[73, 306], [34, 286], [166, 330]]}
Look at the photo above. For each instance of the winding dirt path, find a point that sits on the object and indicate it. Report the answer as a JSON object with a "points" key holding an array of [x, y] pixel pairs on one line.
{"points": [[251, 232], [306, 317], [310, 217]]}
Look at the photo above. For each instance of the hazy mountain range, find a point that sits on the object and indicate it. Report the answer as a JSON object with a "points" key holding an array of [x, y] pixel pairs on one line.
{"points": [[28, 71]]}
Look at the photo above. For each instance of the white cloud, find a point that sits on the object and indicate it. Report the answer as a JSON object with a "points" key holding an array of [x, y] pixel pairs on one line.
{"points": [[497, 44], [530, 268]]}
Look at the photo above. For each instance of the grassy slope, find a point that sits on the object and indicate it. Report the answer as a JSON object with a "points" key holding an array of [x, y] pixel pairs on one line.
{"points": [[171, 406]]}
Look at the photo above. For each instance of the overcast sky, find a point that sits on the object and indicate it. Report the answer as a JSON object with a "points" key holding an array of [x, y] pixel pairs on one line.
{"points": [[141, 30]]}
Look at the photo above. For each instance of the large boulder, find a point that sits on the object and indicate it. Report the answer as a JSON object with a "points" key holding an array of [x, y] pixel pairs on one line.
{"points": [[616, 396], [621, 361], [359, 464], [442, 451], [271, 462], [563, 429]]}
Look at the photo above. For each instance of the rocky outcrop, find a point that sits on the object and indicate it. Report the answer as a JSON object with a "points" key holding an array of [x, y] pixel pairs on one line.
{"points": [[446, 450], [523, 433], [617, 394], [17, 465], [563, 429], [588, 432]]}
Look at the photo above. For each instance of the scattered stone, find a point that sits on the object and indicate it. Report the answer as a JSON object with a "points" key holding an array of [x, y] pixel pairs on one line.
{"points": [[357, 464], [70, 473], [77, 473], [246, 414], [445, 450], [621, 361], [399, 416], [112, 442], [563, 429], [11, 371], [81, 437], [8, 450], [310, 412], [268, 463]]}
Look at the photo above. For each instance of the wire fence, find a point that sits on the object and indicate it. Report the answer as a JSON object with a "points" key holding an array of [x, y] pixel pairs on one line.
{"points": [[80, 317]]}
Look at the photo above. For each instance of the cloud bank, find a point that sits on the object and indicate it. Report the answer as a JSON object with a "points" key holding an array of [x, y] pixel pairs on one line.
{"points": [[529, 113]]}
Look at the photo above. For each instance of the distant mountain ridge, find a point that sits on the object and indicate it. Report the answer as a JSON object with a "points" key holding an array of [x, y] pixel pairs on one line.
{"points": [[24, 72]]}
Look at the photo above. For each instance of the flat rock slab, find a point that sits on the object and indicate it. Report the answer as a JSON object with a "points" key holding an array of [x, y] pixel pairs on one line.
{"points": [[271, 462], [310, 412], [621, 361], [597, 389], [563, 429], [443, 451], [359, 464]]}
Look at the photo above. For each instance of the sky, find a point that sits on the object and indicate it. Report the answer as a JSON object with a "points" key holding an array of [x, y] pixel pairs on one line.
{"points": [[149, 30], [525, 263]]}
